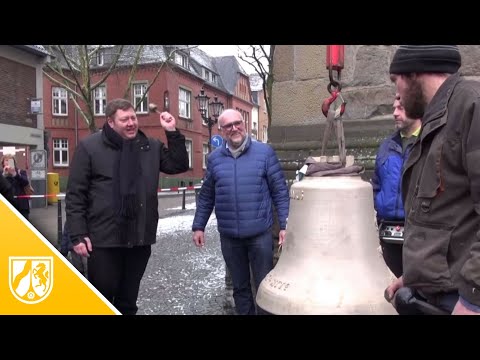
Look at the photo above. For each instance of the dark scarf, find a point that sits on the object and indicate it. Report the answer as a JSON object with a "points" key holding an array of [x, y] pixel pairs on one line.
{"points": [[126, 175]]}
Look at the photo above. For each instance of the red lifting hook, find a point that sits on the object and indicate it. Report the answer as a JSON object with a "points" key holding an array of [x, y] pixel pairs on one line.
{"points": [[335, 61], [335, 57], [329, 101]]}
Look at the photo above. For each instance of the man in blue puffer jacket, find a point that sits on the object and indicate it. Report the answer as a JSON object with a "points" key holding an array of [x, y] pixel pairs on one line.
{"points": [[386, 181], [243, 179]]}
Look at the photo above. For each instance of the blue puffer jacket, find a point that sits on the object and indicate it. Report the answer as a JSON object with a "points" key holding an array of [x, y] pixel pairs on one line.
{"points": [[386, 181], [242, 190]]}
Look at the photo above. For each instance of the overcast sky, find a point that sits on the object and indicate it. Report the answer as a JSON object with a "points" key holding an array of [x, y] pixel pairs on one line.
{"points": [[225, 50]]}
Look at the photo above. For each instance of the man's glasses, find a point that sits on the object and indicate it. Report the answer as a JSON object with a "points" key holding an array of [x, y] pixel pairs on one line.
{"points": [[232, 124]]}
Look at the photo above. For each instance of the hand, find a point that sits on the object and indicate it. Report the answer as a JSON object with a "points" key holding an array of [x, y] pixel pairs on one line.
{"points": [[393, 287], [281, 237], [83, 248], [199, 238], [460, 309], [10, 170], [167, 121]]}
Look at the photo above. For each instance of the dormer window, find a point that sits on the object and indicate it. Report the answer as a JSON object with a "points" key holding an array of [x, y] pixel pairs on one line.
{"points": [[181, 59], [100, 58], [206, 74], [209, 76]]}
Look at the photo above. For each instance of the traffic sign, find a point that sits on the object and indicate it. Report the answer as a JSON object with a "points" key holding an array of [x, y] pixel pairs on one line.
{"points": [[38, 175], [216, 141], [38, 159]]}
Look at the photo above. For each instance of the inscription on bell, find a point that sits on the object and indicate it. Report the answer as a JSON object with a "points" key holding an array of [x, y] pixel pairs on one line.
{"points": [[296, 196], [277, 284]]}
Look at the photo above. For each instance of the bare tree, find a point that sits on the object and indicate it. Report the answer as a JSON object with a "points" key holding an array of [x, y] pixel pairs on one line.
{"points": [[73, 68], [260, 57]]}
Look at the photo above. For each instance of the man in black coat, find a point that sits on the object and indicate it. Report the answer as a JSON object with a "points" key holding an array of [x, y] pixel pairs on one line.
{"points": [[112, 203]]}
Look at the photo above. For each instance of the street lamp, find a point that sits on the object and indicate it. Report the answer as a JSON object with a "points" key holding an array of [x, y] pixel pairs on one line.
{"points": [[206, 109]]}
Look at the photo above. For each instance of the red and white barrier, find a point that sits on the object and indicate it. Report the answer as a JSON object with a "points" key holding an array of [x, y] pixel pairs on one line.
{"points": [[179, 188], [62, 196]]}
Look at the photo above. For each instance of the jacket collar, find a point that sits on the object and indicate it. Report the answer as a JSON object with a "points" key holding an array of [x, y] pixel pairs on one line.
{"points": [[228, 153], [140, 140], [438, 105]]}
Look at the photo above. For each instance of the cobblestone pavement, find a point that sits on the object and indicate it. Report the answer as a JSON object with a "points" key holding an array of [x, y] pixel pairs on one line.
{"points": [[180, 278]]}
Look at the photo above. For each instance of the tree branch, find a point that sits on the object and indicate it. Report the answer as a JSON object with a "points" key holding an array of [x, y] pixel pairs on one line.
{"points": [[69, 89], [133, 71], [110, 69]]}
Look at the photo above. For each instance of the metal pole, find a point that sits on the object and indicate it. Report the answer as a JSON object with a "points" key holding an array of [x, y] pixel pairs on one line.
{"points": [[59, 223], [183, 200]]}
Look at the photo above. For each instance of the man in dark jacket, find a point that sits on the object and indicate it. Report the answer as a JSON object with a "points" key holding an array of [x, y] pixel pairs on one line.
{"points": [[243, 179], [441, 180], [387, 179], [111, 199]]}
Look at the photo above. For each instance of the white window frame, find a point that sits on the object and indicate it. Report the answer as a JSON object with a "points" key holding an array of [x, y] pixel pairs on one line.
{"points": [[99, 100], [137, 95], [206, 74], [60, 145], [57, 99], [181, 59], [100, 58], [184, 103], [189, 147]]}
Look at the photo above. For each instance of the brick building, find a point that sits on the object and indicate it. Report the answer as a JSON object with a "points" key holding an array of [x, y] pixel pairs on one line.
{"points": [[260, 124], [21, 105], [180, 80]]}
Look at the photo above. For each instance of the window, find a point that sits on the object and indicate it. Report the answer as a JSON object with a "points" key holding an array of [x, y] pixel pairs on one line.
{"points": [[60, 152], [100, 60], [206, 74], [100, 98], [59, 101], [138, 91], [254, 131], [205, 154], [181, 59], [264, 134], [184, 97], [188, 145], [209, 76]]}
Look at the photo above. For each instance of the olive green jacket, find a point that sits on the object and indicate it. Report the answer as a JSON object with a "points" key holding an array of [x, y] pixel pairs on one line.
{"points": [[441, 192]]}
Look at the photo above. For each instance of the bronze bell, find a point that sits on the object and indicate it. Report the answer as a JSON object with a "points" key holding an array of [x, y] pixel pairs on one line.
{"points": [[329, 263]]}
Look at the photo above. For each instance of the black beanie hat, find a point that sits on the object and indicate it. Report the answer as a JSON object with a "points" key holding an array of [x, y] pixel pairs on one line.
{"points": [[426, 59]]}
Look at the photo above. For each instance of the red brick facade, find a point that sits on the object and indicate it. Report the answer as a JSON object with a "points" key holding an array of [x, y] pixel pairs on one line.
{"points": [[262, 118], [169, 82], [18, 85]]}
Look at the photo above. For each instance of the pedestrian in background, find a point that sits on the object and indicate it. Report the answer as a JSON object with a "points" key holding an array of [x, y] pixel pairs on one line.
{"points": [[111, 199], [18, 180], [387, 181], [243, 179]]}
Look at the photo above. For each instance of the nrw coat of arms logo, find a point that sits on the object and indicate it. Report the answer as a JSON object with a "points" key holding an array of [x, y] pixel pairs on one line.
{"points": [[30, 278]]}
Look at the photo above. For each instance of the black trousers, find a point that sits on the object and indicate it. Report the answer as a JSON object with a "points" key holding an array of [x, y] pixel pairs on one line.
{"points": [[117, 273], [392, 254]]}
